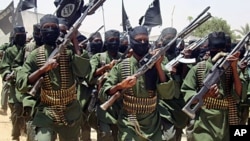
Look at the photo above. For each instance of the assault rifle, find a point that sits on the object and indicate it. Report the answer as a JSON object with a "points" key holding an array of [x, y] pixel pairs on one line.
{"points": [[180, 58], [92, 6], [152, 60], [212, 78]]}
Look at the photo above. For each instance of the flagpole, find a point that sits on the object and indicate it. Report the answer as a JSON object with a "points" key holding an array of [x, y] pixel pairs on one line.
{"points": [[35, 10], [172, 16], [103, 19], [13, 17]]}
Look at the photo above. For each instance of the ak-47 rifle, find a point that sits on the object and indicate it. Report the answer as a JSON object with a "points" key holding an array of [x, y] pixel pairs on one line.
{"points": [[86, 40], [212, 78], [180, 58], [92, 6], [152, 60]]}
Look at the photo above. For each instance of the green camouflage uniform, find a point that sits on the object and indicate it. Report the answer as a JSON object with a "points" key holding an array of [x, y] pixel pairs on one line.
{"points": [[210, 124], [60, 115], [5, 89], [170, 107], [245, 98], [8, 66], [149, 121], [106, 119]]}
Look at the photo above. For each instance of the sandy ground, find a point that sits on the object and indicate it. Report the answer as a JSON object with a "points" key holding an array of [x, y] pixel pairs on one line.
{"points": [[5, 127]]}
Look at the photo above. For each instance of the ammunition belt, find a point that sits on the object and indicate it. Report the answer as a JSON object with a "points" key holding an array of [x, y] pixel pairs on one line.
{"points": [[233, 118], [57, 114], [126, 71], [135, 105], [200, 73], [64, 68], [58, 97], [214, 103]]}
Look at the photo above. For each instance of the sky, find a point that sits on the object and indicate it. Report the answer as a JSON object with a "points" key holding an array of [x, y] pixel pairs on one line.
{"points": [[174, 13]]}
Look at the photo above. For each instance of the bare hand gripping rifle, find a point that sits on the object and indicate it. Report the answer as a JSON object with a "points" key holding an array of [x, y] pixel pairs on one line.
{"points": [[92, 6], [212, 78], [150, 63]]}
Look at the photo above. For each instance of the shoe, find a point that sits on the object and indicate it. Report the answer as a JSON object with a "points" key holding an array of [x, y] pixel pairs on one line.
{"points": [[3, 112]]}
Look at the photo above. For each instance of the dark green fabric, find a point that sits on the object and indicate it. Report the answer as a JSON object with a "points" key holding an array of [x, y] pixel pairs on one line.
{"points": [[78, 68], [146, 121], [210, 124]]}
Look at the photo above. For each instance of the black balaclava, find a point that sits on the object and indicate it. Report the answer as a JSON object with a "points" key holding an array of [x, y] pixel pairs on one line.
{"points": [[216, 40], [112, 46], [167, 35], [37, 34], [95, 46], [123, 44], [19, 36], [49, 35], [139, 48]]}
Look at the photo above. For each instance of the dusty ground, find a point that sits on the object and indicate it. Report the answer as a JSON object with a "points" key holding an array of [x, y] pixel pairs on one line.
{"points": [[5, 127]]}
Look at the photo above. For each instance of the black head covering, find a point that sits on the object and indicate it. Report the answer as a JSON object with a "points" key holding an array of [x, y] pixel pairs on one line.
{"points": [[94, 35], [138, 30], [19, 37], [19, 29], [36, 28], [112, 33], [49, 19], [168, 33], [217, 40], [81, 38]]}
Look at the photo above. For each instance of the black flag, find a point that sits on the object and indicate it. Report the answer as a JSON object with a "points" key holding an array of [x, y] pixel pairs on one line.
{"points": [[28, 4], [153, 15], [70, 10], [125, 22], [6, 19], [17, 17]]}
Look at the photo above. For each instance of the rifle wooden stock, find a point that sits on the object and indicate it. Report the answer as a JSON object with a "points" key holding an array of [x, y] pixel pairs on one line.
{"points": [[35, 88], [151, 61], [111, 101], [93, 5], [212, 78]]}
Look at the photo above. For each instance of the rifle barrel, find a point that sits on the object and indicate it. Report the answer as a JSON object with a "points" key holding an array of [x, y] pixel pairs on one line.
{"points": [[162, 51]]}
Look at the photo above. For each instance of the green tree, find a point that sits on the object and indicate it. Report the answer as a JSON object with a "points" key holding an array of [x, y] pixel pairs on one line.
{"points": [[243, 30], [214, 24], [189, 18]]}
